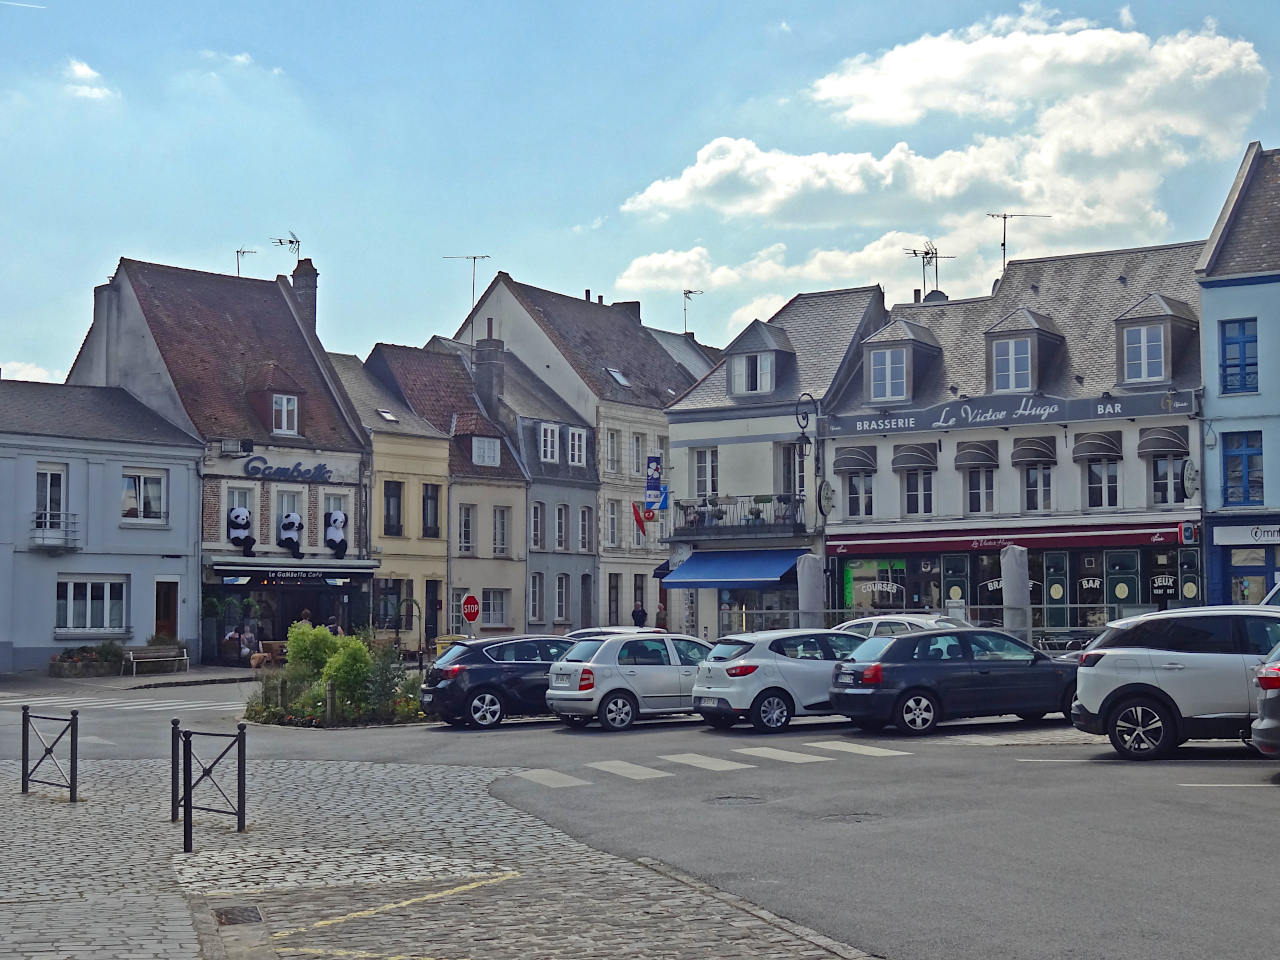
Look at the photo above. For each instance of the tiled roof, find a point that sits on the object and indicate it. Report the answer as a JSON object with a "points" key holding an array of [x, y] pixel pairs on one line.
{"points": [[760, 336], [821, 327], [1023, 319], [84, 413], [697, 358], [219, 337], [369, 396], [900, 331], [1158, 305], [1248, 234]]}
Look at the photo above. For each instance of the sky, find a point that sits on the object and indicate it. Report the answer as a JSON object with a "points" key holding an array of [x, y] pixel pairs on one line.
{"points": [[750, 150]]}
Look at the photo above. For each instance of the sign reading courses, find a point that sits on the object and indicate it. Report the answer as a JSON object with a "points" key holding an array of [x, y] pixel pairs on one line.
{"points": [[470, 608]]}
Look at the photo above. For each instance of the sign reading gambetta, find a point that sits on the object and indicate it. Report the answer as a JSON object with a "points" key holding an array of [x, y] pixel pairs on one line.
{"points": [[1004, 411], [259, 467]]}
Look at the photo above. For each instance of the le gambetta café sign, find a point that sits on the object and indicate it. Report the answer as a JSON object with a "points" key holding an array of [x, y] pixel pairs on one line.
{"points": [[1009, 411], [260, 468]]}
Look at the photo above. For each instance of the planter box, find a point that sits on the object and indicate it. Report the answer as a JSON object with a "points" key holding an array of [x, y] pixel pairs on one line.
{"points": [[85, 668]]}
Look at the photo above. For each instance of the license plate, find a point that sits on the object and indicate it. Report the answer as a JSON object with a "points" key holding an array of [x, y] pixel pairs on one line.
{"points": [[707, 701], [559, 680], [428, 697]]}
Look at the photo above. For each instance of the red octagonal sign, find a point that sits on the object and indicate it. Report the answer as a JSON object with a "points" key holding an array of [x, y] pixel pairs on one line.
{"points": [[471, 608]]}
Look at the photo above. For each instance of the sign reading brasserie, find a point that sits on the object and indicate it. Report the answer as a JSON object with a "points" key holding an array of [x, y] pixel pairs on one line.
{"points": [[1003, 411]]}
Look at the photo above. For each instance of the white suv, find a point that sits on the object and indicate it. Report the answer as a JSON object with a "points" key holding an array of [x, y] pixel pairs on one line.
{"points": [[1157, 680]]}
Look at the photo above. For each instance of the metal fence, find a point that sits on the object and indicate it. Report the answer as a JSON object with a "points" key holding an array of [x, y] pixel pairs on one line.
{"points": [[183, 754], [70, 725]]}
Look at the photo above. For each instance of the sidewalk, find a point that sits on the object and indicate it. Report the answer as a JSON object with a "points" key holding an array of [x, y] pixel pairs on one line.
{"points": [[143, 681]]}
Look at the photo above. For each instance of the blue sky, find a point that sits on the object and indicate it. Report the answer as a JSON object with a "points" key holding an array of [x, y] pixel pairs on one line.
{"points": [[753, 150]]}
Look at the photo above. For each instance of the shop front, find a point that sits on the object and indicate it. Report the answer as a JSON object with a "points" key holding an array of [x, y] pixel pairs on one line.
{"points": [[1244, 557], [746, 590]]}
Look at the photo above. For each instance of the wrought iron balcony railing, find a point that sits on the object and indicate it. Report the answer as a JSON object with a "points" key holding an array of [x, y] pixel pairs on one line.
{"points": [[741, 516]]}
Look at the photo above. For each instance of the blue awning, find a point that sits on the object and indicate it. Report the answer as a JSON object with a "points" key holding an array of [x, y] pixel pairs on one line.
{"points": [[729, 569]]}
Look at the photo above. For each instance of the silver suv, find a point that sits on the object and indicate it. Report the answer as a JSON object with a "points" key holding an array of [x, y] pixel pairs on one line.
{"points": [[1157, 680]]}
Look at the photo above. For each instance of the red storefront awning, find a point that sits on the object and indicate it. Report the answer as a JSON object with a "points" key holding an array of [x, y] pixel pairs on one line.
{"points": [[1034, 538]]}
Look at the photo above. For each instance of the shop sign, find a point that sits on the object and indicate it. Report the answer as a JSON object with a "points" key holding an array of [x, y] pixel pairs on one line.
{"points": [[1164, 586], [284, 577], [260, 468], [878, 586], [1232, 536], [1034, 539], [1091, 583]]}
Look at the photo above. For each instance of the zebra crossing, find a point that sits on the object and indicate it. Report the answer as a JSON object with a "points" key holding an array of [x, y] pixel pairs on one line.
{"points": [[816, 751], [119, 704]]}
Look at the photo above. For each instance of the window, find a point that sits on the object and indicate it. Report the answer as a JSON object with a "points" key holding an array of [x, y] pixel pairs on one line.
{"points": [[1012, 365], [493, 608], [51, 504], [501, 521], [644, 653], [1239, 356], [980, 486], [143, 495], [1261, 635], [690, 653], [1038, 488], [639, 451], [1103, 482], [538, 525], [585, 535], [919, 492], [1166, 480], [706, 472], [562, 597], [611, 528], [611, 443], [637, 588], [619, 376], [334, 502], [664, 451], [284, 414], [937, 648], [388, 415], [1144, 353], [577, 447], [1242, 468], [518, 651], [793, 468], [992, 646], [752, 373], [90, 603], [431, 510], [859, 494], [637, 538], [550, 444], [562, 526], [466, 521], [287, 501], [485, 451], [457, 622], [239, 497], [889, 374], [535, 597], [392, 508]]}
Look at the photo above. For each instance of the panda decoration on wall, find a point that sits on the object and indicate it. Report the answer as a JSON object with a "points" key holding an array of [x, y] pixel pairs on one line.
{"points": [[289, 535], [335, 533], [240, 529]]}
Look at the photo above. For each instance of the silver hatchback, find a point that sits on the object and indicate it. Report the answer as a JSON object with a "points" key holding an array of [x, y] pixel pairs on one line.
{"points": [[617, 679]]}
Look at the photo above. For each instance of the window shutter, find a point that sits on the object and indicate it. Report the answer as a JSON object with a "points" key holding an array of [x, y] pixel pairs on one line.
{"points": [[738, 366], [765, 372]]}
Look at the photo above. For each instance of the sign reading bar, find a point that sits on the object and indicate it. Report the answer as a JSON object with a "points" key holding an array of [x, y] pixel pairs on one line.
{"points": [[1004, 411], [259, 467]]}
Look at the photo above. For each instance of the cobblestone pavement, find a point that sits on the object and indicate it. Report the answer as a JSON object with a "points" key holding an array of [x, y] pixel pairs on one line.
{"points": [[346, 860]]}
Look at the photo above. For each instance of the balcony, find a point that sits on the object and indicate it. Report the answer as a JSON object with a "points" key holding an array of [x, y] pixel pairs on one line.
{"points": [[55, 532], [744, 517]]}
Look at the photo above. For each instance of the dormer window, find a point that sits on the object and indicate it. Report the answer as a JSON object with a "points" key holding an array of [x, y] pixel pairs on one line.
{"points": [[485, 451], [1012, 365], [752, 373], [1144, 353], [284, 414], [889, 374], [549, 446]]}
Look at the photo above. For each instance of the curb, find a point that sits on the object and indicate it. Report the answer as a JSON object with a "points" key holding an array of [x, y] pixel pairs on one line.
{"points": [[192, 683]]}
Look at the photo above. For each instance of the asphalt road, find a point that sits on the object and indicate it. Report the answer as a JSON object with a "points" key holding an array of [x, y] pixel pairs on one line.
{"points": [[989, 840]]}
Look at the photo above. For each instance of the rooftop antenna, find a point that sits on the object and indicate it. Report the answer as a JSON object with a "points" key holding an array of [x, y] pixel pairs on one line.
{"points": [[927, 256], [1004, 229], [242, 252], [687, 294], [473, 257], [292, 242]]}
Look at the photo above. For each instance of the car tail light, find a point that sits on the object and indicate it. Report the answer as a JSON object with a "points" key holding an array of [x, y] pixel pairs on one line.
{"points": [[586, 679], [742, 670], [450, 672], [1090, 659], [1269, 676], [873, 674]]}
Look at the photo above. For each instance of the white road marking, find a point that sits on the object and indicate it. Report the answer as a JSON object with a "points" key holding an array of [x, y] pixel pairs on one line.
{"points": [[553, 778], [1044, 760], [844, 746], [180, 705], [1270, 785], [632, 771], [704, 762], [977, 739], [786, 756]]}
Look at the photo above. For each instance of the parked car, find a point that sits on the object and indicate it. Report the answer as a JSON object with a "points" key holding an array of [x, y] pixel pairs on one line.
{"points": [[896, 623], [1265, 732], [620, 677], [593, 633], [770, 677], [917, 680], [480, 682], [1154, 681]]}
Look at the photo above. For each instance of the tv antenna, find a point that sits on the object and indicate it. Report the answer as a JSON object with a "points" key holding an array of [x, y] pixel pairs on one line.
{"points": [[292, 242], [473, 257], [927, 256], [687, 294], [242, 252], [1004, 219]]}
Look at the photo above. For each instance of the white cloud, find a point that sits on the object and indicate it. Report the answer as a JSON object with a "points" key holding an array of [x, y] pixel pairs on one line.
{"points": [[675, 270], [21, 370], [90, 93], [79, 70], [784, 27], [595, 224], [1126, 17], [83, 82], [761, 308]]}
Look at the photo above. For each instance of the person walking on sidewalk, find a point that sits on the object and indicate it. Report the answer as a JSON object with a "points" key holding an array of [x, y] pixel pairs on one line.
{"points": [[639, 616]]}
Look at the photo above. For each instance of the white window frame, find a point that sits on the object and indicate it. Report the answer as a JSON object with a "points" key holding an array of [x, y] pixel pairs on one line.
{"points": [[457, 622], [562, 598], [141, 475], [501, 531], [301, 510], [1016, 375], [924, 493], [536, 596], [562, 526], [1043, 487], [486, 451], [549, 443], [612, 439], [585, 523], [65, 621], [639, 453], [1109, 491], [986, 490], [1173, 494], [752, 373], [538, 525], [493, 607], [858, 487], [793, 469], [637, 538], [577, 447], [284, 414], [611, 524], [1140, 339], [889, 367], [52, 519], [706, 472], [466, 528]]}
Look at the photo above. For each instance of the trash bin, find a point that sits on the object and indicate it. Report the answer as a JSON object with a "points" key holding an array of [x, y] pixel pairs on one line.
{"points": [[445, 642]]}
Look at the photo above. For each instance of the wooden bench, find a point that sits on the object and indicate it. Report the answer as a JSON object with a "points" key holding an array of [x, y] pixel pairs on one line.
{"points": [[136, 655]]}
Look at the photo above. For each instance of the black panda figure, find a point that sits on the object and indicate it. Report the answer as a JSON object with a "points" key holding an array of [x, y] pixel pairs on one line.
{"points": [[290, 534], [335, 533], [239, 529]]}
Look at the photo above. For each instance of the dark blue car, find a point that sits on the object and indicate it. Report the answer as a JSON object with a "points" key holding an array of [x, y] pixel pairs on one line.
{"points": [[917, 680]]}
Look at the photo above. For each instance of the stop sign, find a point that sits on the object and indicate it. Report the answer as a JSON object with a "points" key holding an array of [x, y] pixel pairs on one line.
{"points": [[470, 608]]}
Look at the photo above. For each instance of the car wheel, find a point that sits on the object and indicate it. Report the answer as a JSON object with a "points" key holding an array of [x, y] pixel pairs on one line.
{"points": [[570, 720], [1031, 717], [1068, 699], [1142, 729], [916, 713], [485, 710], [771, 711], [617, 711], [720, 722]]}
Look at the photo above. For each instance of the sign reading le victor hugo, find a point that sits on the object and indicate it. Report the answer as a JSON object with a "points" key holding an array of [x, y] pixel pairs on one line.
{"points": [[1007, 411]]}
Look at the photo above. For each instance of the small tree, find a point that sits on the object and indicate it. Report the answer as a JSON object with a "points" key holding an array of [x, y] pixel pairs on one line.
{"points": [[311, 646], [349, 669]]}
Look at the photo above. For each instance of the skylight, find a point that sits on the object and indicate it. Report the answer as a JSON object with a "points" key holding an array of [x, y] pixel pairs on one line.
{"points": [[388, 415], [619, 376]]}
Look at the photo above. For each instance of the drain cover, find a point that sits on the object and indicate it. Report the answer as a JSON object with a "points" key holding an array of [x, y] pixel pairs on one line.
{"points": [[229, 915], [735, 801]]}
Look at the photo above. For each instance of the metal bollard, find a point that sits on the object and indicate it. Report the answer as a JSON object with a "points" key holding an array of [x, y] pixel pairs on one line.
{"points": [[26, 749], [75, 752], [175, 739], [240, 727], [330, 704], [186, 791]]}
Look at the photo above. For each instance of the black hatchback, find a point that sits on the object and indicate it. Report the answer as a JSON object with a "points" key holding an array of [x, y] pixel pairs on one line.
{"points": [[479, 682], [916, 680]]}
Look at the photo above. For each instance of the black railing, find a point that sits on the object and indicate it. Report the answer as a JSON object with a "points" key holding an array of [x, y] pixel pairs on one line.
{"points": [[747, 515], [70, 725], [183, 752]]}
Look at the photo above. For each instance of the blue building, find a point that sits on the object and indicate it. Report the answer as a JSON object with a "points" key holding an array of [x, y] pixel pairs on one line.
{"points": [[1239, 276]]}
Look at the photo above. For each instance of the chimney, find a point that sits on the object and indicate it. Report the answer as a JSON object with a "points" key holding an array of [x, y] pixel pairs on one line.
{"points": [[304, 289], [600, 299], [915, 296], [489, 367], [587, 296], [630, 308]]}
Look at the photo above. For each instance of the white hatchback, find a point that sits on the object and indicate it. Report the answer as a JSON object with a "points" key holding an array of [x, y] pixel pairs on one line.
{"points": [[893, 624], [770, 677]]}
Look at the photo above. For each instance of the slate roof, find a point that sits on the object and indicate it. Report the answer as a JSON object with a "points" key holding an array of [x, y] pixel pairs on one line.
{"points": [[760, 336], [697, 358], [900, 331], [84, 413], [1022, 320], [369, 395], [220, 336], [1085, 293], [821, 328], [1158, 305], [1246, 238]]}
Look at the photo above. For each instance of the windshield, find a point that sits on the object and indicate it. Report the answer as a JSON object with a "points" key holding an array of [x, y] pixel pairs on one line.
{"points": [[729, 649], [583, 651], [871, 649], [452, 654]]}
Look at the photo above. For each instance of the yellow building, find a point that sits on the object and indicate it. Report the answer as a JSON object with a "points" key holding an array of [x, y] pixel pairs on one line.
{"points": [[407, 507]]}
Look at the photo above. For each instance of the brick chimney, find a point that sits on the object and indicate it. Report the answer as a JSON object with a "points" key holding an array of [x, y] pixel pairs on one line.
{"points": [[490, 371], [304, 289]]}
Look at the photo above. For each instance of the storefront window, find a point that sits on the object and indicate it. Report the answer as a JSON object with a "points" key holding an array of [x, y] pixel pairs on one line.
{"points": [[1249, 574]]}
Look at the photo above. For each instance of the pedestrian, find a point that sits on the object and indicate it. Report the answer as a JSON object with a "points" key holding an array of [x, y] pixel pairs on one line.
{"points": [[639, 616], [333, 627], [305, 618], [660, 618]]}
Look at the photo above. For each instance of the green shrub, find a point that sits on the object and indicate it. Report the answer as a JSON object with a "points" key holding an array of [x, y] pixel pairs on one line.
{"points": [[110, 651], [349, 668], [311, 647], [385, 677], [308, 705], [406, 706]]}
